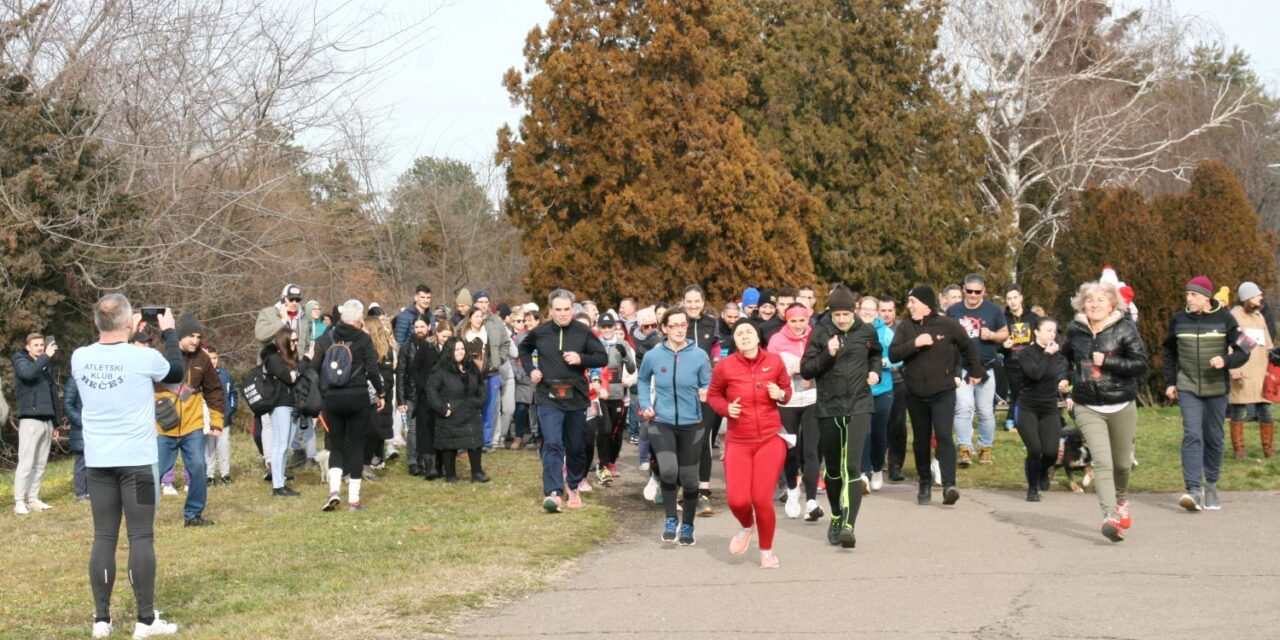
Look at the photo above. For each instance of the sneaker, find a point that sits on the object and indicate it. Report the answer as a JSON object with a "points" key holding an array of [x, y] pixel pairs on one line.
{"points": [[793, 504], [1122, 515], [226, 479], [847, 539], [686, 536], [584, 486], [704, 505], [101, 630], [950, 495], [936, 470], [634, 440], [331, 502], [877, 480], [1008, 425], [833, 532], [613, 471], [812, 511], [284, 492], [651, 489], [740, 541], [1033, 494], [1191, 500], [1046, 479], [168, 490], [895, 473], [603, 475], [963, 460], [984, 455], [210, 481], [644, 466], [1112, 530], [551, 504], [157, 627], [575, 500], [1211, 502], [669, 530], [865, 481], [197, 521], [479, 477], [38, 505], [768, 560], [355, 506]]}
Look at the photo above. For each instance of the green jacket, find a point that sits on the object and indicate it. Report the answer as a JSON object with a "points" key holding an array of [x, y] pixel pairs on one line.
{"points": [[1193, 340]]}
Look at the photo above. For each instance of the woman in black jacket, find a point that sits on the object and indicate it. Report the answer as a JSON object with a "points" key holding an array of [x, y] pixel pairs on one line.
{"points": [[430, 461], [280, 360], [1107, 360], [1042, 376], [456, 392]]}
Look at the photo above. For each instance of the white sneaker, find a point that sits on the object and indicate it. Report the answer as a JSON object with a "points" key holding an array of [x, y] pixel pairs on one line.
{"points": [[812, 511], [168, 490], [39, 505], [793, 503], [937, 472], [651, 489], [644, 466], [584, 486], [877, 480], [20, 508], [157, 627], [101, 630]]}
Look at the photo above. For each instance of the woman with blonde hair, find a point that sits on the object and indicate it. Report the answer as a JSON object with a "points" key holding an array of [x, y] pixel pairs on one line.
{"points": [[377, 448]]}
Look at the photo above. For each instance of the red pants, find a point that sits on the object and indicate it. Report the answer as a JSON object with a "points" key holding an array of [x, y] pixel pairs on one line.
{"points": [[750, 479]]}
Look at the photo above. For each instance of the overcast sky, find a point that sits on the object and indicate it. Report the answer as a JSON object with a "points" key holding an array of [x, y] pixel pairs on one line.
{"points": [[447, 99]]}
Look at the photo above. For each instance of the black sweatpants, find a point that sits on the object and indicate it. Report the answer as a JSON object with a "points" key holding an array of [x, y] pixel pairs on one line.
{"points": [[842, 440], [711, 429], [898, 426], [678, 450], [931, 416], [612, 426], [802, 458], [129, 492], [1039, 429], [347, 418]]}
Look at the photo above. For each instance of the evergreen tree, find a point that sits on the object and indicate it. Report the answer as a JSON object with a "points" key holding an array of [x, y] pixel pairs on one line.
{"points": [[633, 173]]}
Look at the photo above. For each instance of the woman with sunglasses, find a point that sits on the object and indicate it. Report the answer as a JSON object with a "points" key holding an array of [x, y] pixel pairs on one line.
{"points": [[679, 373], [798, 414], [280, 360]]}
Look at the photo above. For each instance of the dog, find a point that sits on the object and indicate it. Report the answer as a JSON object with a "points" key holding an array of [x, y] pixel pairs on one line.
{"points": [[322, 463], [1073, 456]]}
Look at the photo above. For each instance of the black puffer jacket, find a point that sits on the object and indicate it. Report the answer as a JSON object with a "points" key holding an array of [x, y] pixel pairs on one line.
{"points": [[842, 379], [1122, 370], [462, 396]]}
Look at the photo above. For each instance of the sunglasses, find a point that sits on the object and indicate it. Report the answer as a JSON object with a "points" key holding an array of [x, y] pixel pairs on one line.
{"points": [[974, 292], [648, 326]]}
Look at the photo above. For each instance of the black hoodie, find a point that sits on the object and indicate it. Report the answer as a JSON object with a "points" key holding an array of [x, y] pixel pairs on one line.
{"points": [[363, 358]]}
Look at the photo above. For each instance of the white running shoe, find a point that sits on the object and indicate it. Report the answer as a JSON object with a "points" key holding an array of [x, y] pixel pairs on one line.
{"points": [[584, 486], [793, 503], [102, 630], [877, 480], [937, 472], [644, 466], [157, 627], [168, 490], [812, 512], [39, 505], [651, 489], [20, 508]]}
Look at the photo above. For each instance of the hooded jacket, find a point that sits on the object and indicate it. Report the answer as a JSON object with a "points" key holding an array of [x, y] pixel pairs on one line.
{"points": [[842, 378], [200, 387], [461, 394], [364, 361], [746, 380], [1123, 367], [885, 335], [791, 349], [1193, 340], [931, 370], [675, 378], [35, 388]]}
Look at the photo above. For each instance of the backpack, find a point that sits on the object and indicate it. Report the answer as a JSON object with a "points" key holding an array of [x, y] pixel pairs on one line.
{"points": [[260, 391], [337, 368], [306, 394]]}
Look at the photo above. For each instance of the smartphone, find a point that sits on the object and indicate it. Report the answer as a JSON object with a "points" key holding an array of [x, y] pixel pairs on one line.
{"points": [[49, 341], [149, 314]]}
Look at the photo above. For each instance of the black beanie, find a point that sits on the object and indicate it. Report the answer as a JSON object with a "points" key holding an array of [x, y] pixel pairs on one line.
{"points": [[925, 295], [188, 324], [841, 299]]}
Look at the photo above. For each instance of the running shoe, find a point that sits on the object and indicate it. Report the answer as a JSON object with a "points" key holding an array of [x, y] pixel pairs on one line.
{"points": [[793, 503], [102, 629], [603, 475], [584, 486], [551, 503], [355, 506], [1191, 500], [575, 499], [704, 505], [877, 480], [812, 511], [168, 490], [669, 530], [1122, 514], [1112, 530], [1211, 501], [651, 489], [686, 536], [833, 532], [644, 466], [768, 560], [331, 502], [39, 505], [739, 543], [157, 627], [847, 539], [634, 440]]}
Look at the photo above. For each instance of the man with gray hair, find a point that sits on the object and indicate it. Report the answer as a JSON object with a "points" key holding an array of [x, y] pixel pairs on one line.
{"points": [[557, 355], [987, 328]]}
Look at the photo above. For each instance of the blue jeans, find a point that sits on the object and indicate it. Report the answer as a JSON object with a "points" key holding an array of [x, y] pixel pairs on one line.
{"points": [[878, 437], [282, 428], [491, 406], [1201, 437], [305, 439], [192, 448], [980, 398], [564, 448], [633, 419]]}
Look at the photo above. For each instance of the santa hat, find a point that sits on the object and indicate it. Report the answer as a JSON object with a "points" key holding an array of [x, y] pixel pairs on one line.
{"points": [[1109, 276]]}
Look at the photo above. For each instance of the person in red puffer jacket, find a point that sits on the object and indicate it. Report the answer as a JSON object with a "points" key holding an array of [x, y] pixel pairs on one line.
{"points": [[746, 388]]}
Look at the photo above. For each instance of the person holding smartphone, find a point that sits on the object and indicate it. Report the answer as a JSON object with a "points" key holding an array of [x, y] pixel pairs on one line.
{"points": [[38, 414], [1043, 376]]}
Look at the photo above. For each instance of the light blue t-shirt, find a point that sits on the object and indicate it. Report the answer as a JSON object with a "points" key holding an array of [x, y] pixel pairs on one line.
{"points": [[117, 387]]}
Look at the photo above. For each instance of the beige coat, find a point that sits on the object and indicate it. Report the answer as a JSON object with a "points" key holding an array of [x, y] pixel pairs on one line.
{"points": [[1248, 388]]}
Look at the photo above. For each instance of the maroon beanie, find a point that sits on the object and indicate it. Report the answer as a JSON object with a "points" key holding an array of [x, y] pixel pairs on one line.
{"points": [[1201, 285]]}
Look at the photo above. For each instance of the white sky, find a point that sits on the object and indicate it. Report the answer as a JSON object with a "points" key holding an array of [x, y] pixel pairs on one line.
{"points": [[446, 98]]}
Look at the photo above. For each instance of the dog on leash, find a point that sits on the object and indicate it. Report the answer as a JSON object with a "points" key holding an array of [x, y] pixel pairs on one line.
{"points": [[322, 463], [1074, 456]]}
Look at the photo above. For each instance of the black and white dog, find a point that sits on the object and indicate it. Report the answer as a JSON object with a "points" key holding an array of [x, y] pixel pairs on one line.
{"points": [[1073, 456]]}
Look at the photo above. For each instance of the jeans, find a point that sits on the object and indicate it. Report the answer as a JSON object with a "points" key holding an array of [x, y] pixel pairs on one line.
{"points": [[217, 453], [633, 419], [192, 448], [490, 413], [304, 439], [564, 448], [34, 439], [1260, 411], [980, 398], [506, 412], [1201, 437], [878, 437], [282, 427]]}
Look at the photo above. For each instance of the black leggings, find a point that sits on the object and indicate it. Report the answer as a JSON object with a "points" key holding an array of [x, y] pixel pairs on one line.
{"points": [[711, 429], [450, 461], [594, 427], [677, 450], [347, 418], [842, 441], [609, 438], [931, 416], [129, 492], [1040, 430], [803, 423]]}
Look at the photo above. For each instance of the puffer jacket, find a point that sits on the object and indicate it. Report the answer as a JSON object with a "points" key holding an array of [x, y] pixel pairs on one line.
{"points": [[737, 377], [1122, 370], [842, 379], [1193, 340], [460, 394]]}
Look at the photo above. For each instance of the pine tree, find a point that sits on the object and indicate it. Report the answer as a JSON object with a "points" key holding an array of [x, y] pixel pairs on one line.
{"points": [[633, 173], [851, 94]]}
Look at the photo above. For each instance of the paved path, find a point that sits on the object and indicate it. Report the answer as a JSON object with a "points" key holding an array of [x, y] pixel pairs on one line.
{"points": [[993, 566]]}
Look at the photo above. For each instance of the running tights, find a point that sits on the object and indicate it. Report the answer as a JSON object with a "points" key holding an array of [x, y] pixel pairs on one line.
{"points": [[750, 476], [129, 492], [679, 451], [842, 440]]}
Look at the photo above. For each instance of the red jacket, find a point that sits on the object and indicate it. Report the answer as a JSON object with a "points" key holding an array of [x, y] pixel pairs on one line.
{"points": [[737, 378]]}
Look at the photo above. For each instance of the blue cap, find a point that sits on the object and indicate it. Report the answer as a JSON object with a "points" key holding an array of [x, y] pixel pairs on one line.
{"points": [[751, 297]]}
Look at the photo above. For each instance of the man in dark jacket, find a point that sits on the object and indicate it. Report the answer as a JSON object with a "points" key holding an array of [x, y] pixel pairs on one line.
{"points": [[556, 355], [843, 357], [38, 413], [72, 406], [1202, 345], [407, 386], [421, 308], [926, 345], [704, 330]]}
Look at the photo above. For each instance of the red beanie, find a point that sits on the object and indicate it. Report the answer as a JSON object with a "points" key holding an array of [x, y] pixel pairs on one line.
{"points": [[1201, 285]]}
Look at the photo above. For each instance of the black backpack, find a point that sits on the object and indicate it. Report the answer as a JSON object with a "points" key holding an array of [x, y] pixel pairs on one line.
{"points": [[306, 394], [260, 391], [338, 367]]}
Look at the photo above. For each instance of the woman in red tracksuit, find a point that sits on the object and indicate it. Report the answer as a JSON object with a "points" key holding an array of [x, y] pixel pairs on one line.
{"points": [[747, 387]]}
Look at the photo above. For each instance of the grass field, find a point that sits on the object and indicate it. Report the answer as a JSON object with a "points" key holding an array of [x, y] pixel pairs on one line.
{"points": [[281, 568]]}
